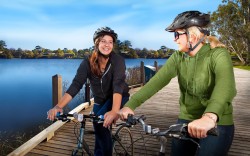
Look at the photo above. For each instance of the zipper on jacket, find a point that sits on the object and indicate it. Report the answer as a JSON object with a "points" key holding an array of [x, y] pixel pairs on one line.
{"points": [[101, 79]]}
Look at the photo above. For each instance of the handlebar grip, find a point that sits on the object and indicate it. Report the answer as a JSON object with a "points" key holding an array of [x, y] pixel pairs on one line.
{"points": [[63, 117], [213, 132], [130, 120]]}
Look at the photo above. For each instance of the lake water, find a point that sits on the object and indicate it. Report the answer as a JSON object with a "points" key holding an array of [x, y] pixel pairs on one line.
{"points": [[26, 88]]}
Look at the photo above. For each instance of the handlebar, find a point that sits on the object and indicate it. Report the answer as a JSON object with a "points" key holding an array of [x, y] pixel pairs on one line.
{"points": [[79, 117], [179, 131]]}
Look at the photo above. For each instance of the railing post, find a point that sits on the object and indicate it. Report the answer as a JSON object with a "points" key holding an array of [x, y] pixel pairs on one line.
{"points": [[87, 92], [56, 89], [156, 66], [142, 73]]}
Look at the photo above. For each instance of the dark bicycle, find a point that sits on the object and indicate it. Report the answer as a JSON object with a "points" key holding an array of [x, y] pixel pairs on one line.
{"points": [[122, 137]]}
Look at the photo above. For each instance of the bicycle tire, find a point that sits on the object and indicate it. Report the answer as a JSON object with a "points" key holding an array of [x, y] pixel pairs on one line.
{"points": [[123, 142]]}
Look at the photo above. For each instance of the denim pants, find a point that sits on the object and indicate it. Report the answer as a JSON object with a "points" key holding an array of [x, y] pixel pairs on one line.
{"points": [[103, 139], [209, 146]]}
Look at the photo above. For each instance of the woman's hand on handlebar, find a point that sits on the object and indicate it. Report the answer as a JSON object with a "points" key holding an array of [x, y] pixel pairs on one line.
{"points": [[123, 113], [109, 118], [199, 128], [52, 112]]}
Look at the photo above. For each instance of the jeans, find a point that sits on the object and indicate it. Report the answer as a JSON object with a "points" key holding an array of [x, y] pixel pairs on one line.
{"points": [[103, 139], [209, 146]]}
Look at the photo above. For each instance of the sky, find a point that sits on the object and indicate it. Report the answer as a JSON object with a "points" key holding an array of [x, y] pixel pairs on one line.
{"points": [[54, 24]]}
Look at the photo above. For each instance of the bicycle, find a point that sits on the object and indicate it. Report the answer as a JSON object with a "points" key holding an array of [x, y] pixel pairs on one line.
{"points": [[122, 138], [178, 131]]}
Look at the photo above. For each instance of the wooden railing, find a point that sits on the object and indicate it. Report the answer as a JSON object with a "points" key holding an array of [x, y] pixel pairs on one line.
{"points": [[48, 133]]}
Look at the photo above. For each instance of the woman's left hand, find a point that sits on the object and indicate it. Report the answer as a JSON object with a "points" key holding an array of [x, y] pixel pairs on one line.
{"points": [[109, 118], [199, 128]]}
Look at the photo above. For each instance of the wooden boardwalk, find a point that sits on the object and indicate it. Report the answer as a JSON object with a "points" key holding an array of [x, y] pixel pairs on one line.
{"points": [[161, 111]]}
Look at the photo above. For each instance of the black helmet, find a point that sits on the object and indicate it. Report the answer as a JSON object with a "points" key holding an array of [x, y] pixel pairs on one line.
{"points": [[189, 18], [105, 31]]}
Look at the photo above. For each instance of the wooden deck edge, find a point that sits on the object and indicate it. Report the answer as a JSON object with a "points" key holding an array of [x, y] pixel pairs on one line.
{"points": [[47, 133]]}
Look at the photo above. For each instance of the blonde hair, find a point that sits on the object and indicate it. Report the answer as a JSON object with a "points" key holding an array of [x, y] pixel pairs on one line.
{"points": [[214, 42]]}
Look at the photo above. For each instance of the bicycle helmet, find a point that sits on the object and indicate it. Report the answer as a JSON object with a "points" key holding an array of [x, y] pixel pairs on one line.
{"points": [[105, 31], [187, 19]]}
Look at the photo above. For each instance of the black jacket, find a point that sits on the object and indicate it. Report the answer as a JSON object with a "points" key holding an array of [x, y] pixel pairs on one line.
{"points": [[112, 81]]}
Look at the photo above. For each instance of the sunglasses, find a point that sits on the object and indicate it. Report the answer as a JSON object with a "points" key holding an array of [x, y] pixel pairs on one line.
{"points": [[177, 35]]}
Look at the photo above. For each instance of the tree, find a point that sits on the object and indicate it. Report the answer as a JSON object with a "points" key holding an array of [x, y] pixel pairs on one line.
{"points": [[145, 53], [28, 54], [4, 52], [117, 46], [2, 45], [75, 52], [69, 54], [38, 51], [232, 24], [125, 46], [59, 53]]}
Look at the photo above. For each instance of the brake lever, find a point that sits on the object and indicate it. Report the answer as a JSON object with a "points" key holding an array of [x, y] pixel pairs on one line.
{"points": [[183, 135], [189, 139]]}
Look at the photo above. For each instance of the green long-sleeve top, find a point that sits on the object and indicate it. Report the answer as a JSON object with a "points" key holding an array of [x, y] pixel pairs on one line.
{"points": [[206, 83]]}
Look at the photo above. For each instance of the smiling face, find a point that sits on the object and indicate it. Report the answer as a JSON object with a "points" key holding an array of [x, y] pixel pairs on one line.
{"points": [[106, 45]]}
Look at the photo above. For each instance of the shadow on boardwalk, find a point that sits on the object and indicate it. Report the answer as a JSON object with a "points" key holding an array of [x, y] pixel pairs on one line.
{"points": [[161, 111]]}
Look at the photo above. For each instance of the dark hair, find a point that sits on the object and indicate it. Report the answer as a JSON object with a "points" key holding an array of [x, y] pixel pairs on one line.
{"points": [[94, 65]]}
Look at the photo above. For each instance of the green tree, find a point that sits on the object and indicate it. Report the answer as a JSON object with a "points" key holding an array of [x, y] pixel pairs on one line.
{"points": [[71, 54], [145, 53], [125, 46], [4, 52], [232, 24], [117, 46], [59, 53], [2, 45], [28, 54], [38, 51], [75, 52], [131, 53]]}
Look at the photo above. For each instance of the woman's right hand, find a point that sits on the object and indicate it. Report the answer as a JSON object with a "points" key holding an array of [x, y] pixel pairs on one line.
{"points": [[123, 113], [52, 112]]}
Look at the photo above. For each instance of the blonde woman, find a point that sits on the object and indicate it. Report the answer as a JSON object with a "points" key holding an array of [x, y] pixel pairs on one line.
{"points": [[207, 86]]}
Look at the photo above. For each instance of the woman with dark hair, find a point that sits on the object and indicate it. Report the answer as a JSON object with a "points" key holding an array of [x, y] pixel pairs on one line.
{"points": [[106, 72], [206, 82]]}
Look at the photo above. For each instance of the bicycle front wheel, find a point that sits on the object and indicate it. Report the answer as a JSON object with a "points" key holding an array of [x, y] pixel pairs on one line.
{"points": [[123, 142]]}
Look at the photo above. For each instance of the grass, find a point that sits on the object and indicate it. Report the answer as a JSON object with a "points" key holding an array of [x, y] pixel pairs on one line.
{"points": [[243, 67]]}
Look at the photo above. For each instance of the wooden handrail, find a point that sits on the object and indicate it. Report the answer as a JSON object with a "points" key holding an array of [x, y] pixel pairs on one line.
{"points": [[47, 133]]}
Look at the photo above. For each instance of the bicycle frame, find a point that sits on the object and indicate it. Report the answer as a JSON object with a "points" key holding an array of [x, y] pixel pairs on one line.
{"points": [[81, 144]]}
